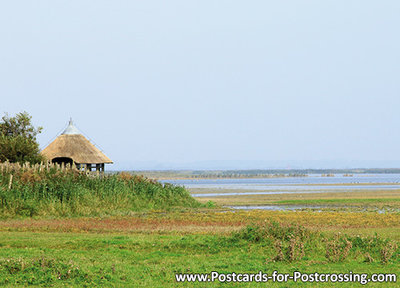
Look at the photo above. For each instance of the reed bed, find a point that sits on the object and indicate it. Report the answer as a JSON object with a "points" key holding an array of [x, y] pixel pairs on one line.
{"points": [[48, 189]]}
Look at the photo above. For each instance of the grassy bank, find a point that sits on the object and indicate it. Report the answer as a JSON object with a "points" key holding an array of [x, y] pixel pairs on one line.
{"points": [[49, 190]]}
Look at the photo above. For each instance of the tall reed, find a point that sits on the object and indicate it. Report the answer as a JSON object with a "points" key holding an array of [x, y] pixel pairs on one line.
{"points": [[49, 189]]}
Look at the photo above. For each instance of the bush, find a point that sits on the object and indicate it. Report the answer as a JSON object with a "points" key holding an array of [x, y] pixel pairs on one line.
{"points": [[274, 231]]}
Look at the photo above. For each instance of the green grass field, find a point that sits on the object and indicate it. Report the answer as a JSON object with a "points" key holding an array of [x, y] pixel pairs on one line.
{"points": [[148, 257]]}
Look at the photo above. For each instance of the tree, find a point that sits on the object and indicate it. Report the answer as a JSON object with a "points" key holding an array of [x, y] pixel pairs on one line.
{"points": [[18, 139]]}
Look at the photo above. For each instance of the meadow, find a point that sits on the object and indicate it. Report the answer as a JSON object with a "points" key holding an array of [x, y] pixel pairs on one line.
{"points": [[129, 231]]}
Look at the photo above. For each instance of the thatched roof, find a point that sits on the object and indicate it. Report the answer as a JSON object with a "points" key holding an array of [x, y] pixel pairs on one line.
{"points": [[72, 144]]}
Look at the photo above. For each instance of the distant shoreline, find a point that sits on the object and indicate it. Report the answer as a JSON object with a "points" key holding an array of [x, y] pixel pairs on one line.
{"points": [[256, 174]]}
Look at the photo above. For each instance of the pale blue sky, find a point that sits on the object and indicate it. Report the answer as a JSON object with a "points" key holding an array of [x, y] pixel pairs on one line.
{"points": [[173, 84]]}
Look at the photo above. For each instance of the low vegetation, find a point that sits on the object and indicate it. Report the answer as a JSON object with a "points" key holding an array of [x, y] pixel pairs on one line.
{"points": [[153, 259], [293, 243]]}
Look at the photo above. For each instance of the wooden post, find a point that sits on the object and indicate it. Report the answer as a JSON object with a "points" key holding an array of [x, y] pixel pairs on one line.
{"points": [[10, 183]]}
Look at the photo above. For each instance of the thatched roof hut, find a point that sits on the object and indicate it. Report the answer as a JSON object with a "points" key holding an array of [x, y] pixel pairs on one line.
{"points": [[72, 147]]}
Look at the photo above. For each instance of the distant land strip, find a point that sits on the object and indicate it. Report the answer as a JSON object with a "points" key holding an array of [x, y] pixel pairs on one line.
{"points": [[257, 173]]}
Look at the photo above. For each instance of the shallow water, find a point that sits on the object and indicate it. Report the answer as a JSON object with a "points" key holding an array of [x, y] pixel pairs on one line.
{"points": [[311, 179], [285, 185], [317, 208], [268, 192]]}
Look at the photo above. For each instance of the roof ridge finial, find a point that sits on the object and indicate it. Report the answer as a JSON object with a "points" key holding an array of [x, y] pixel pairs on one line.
{"points": [[71, 129]]}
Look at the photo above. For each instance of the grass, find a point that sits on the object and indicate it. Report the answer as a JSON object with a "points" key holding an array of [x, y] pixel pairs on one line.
{"points": [[49, 190], [152, 259], [147, 249], [370, 198], [344, 202]]}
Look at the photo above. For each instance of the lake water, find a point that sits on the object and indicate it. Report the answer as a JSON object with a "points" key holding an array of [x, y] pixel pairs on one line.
{"points": [[284, 185]]}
